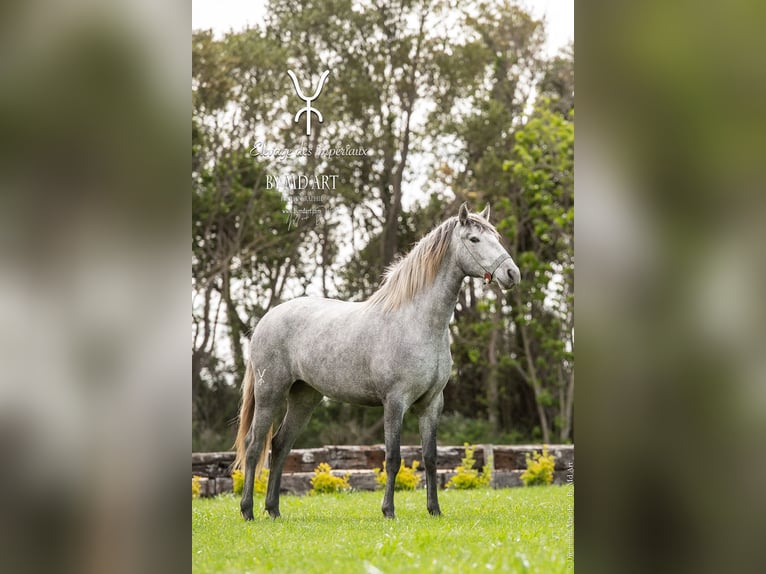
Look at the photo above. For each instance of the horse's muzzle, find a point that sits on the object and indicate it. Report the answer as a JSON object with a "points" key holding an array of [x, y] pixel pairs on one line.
{"points": [[508, 278], [514, 275]]}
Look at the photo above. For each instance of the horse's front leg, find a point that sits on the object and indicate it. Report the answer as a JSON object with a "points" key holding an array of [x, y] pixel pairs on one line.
{"points": [[428, 423], [393, 414]]}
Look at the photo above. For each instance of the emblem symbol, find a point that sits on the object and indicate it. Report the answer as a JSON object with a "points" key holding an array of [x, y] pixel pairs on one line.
{"points": [[308, 109]]}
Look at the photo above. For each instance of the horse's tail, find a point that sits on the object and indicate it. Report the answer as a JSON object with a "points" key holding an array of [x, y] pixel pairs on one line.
{"points": [[246, 412]]}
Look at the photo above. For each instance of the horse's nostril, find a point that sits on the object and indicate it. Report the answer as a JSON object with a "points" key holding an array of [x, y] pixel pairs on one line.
{"points": [[514, 276]]}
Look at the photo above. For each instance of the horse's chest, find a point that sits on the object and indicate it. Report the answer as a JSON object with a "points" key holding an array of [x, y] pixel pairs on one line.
{"points": [[444, 365], [430, 364], [406, 357]]}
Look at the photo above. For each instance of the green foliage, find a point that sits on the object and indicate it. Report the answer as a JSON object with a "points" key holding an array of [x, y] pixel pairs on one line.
{"points": [[196, 487], [406, 479], [245, 260], [341, 533], [455, 428], [467, 476], [324, 481], [259, 487], [539, 468]]}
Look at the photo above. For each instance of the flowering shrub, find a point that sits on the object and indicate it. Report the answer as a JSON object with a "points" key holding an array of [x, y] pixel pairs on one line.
{"points": [[196, 487], [259, 487], [324, 481], [406, 479], [539, 468], [467, 476], [238, 481]]}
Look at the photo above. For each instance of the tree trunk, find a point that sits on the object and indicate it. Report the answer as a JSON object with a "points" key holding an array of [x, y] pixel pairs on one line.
{"points": [[388, 241], [566, 429], [235, 324], [324, 239], [391, 229], [535, 382], [493, 395], [199, 353]]}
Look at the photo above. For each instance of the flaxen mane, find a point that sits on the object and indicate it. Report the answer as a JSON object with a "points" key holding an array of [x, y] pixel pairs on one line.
{"points": [[405, 278]]}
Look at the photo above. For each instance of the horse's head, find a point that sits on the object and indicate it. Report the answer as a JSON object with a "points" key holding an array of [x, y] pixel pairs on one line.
{"points": [[479, 251]]}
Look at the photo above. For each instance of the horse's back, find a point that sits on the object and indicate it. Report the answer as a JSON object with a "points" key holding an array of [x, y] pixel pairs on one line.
{"points": [[304, 323], [302, 312]]}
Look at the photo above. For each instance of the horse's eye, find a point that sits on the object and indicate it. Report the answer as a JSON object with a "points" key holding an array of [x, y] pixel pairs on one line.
{"points": [[474, 239]]}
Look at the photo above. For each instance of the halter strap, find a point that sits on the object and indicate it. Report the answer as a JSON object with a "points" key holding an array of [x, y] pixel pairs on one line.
{"points": [[488, 275], [498, 262]]}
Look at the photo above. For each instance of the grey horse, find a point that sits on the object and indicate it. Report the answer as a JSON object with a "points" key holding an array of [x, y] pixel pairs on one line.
{"points": [[391, 350]]}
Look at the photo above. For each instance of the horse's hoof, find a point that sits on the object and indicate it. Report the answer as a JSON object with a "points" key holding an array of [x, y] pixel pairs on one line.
{"points": [[434, 512], [389, 514], [247, 514], [274, 514]]}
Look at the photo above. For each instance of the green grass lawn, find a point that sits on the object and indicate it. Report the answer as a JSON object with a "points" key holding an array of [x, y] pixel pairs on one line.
{"points": [[507, 530]]}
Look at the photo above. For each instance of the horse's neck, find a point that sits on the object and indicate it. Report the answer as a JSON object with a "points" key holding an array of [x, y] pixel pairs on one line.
{"points": [[437, 303]]}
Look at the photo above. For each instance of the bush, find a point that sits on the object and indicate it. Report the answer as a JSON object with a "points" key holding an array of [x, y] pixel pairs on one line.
{"points": [[324, 481], [467, 476], [406, 479], [238, 479], [196, 487], [539, 468]]}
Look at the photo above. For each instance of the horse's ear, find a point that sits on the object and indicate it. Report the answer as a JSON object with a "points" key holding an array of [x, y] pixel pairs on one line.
{"points": [[463, 214], [485, 212]]}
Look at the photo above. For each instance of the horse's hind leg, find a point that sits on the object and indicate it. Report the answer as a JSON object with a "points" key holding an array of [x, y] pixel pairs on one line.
{"points": [[301, 402], [256, 444], [268, 400]]}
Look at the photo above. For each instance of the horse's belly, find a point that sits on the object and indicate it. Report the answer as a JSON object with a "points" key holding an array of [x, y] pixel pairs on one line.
{"points": [[343, 379], [352, 362], [348, 396]]}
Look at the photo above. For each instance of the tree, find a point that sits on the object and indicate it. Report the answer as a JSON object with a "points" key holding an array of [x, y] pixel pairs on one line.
{"points": [[524, 167], [239, 263], [542, 170], [424, 88], [557, 82]]}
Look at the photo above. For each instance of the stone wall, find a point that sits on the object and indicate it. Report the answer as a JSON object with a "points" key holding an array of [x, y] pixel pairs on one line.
{"points": [[358, 462]]}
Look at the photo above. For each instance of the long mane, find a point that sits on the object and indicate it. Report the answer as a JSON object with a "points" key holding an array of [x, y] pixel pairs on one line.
{"points": [[408, 276]]}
